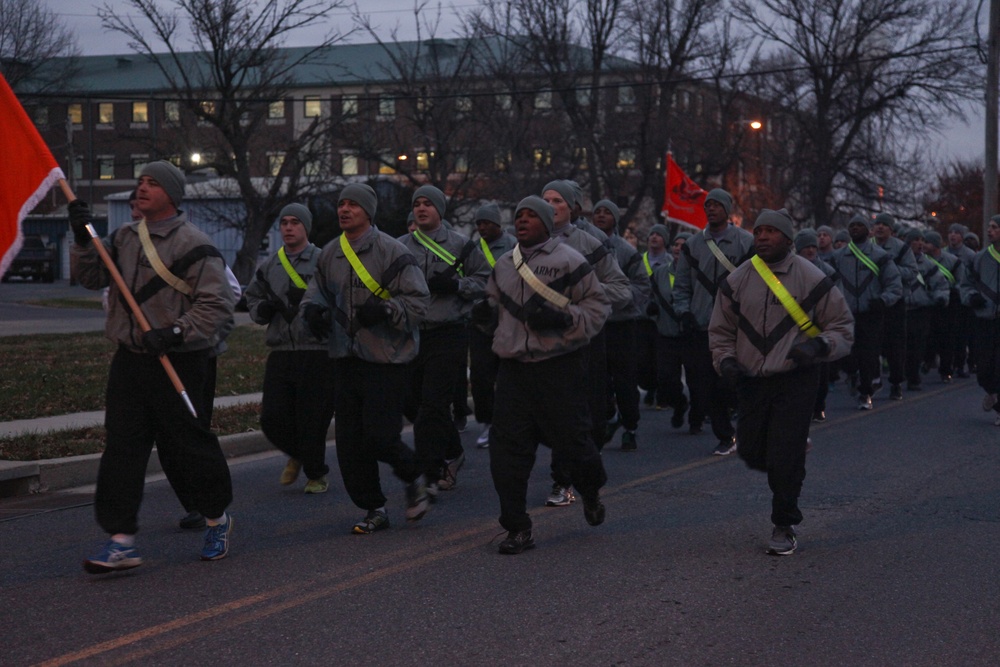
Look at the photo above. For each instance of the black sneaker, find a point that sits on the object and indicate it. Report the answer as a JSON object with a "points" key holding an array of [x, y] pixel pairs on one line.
{"points": [[677, 420], [516, 542], [649, 399], [461, 423], [193, 521], [725, 447], [374, 520], [593, 509], [895, 393], [628, 441], [783, 542], [819, 416]]}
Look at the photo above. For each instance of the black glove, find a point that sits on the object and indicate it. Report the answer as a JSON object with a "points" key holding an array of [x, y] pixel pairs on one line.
{"points": [[731, 371], [688, 323], [482, 313], [976, 300], [546, 318], [318, 319], [808, 352], [652, 310], [876, 307], [371, 313], [266, 310], [442, 284], [79, 218], [158, 341], [295, 295]]}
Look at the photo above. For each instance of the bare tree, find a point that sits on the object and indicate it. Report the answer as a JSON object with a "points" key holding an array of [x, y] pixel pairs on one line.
{"points": [[234, 70], [30, 37], [859, 78]]}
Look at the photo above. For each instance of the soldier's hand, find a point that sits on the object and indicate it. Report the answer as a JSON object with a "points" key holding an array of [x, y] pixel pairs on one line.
{"points": [[689, 323], [371, 313], [79, 218], [441, 284], [976, 300], [730, 370], [546, 318], [159, 341], [318, 319], [652, 310], [295, 295], [266, 310], [808, 352], [482, 313]]}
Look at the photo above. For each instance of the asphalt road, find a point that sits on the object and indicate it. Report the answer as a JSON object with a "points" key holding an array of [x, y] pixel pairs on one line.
{"points": [[18, 318], [896, 566]]}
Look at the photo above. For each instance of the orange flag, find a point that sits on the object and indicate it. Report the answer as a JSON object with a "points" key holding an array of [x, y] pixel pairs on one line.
{"points": [[28, 172], [683, 199]]}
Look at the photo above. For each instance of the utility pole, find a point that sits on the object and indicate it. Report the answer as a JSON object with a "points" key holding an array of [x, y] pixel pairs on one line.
{"points": [[992, 92]]}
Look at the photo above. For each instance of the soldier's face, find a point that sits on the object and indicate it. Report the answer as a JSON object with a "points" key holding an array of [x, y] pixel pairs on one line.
{"points": [[917, 246], [604, 220], [529, 228], [882, 232], [426, 215], [809, 252], [675, 249], [488, 230], [293, 233], [954, 239], [770, 243], [993, 232], [858, 232], [656, 243], [353, 219], [825, 240], [715, 213], [151, 200], [559, 205]]}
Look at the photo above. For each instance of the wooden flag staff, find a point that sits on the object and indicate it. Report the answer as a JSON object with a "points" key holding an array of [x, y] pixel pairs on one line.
{"points": [[133, 305]]}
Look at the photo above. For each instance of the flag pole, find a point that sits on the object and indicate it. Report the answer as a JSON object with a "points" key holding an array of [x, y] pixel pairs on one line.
{"points": [[133, 305]]}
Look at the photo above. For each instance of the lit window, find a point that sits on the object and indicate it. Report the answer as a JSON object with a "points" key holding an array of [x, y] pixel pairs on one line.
{"points": [[501, 161], [172, 112], [105, 113], [580, 157], [626, 158], [463, 105], [349, 164], [139, 162], [314, 106], [386, 160], [312, 168], [424, 160], [386, 106], [75, 113], [505, 102], [208, 107], [461, 163], [543, 100], [106, 168], [140, 112], [274, 162], [276, 110], [542, 158]]}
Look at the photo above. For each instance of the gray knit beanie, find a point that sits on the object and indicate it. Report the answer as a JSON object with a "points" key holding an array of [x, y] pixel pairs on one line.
{"points": [[298, 211], [661, 230], [957, 227], [539, 206], [824, 228], [723, 197], [577, 193], [971, 236], [170, 178], [806, 238], [564, 189], [885, 219], [490, 213], [862, 219], [934, 239], [683, 235], [779, 219], [363, 195], [613, 209], [842, 236], [913, 234], [434, 196]]}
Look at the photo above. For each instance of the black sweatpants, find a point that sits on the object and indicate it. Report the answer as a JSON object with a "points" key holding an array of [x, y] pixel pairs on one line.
{"points": [[593, 390], [708, 393], [647, 355], [297, 405], [368, 427], [772, 433], [670, 361], [143, 407], [863, 359], [987, 348], [541, 402], [433, 375], [482, 374], [894, 341], [622, 387], [918, 328]]}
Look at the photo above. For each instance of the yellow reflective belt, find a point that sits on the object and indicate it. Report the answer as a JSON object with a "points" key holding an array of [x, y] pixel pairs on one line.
{"points": [[863, 258], [360, 269], [786, 299], [945, 272], [994, 254], [645, 261], [486, 251], [671, 281], [290, 270], [431, 245]]}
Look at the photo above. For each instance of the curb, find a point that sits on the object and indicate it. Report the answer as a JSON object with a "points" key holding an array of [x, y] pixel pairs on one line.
{"points": [[21, 478]]}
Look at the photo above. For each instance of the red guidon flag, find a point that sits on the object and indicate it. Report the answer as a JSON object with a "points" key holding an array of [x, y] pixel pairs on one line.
{"points": [[683, 199], [27, 172]]}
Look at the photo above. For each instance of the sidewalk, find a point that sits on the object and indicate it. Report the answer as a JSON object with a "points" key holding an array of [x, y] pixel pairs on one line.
{"points": [[19, 478]]}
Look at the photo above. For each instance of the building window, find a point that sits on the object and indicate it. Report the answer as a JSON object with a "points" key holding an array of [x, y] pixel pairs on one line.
{"points": [[106, 167], [75, 114], [583, 97], [41, 116], [78, 168], [274, 161], [276, 110], [501, 161], [349, 164], [580, 158], [140, 112], [505, 102], [105, 113], [314, 106], [386, 107], [312, 168], [626, 97], [386, 162], [626, 158], [139, 162], [172, 112], [461, 163], [542, 158], [463, 105], [424, 160], [543, 100], [349, 107]]}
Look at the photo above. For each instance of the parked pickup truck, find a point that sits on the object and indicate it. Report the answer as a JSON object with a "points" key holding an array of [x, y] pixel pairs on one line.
{"points": [[36, 261]]}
